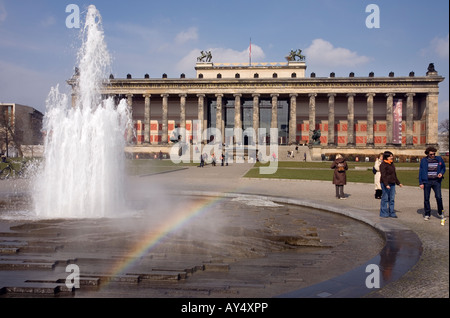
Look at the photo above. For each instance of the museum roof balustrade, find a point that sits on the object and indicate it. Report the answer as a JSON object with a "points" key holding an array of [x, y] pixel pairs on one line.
{"points": [[291, 78]]}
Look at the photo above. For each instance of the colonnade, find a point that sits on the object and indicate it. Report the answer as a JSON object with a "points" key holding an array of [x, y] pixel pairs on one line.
{"points": [[430, 112]]}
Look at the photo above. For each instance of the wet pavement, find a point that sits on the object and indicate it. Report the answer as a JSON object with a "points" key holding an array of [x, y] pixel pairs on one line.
{"points": [[242, 238]]}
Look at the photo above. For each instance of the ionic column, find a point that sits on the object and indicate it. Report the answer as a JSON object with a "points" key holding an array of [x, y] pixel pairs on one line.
{"points": [[389, 118], [331, 119], [256, 116], [237, 117], [409, 118], [274, 121], [183, 116], [147, 118], [201, 113], [351, 119], [131, 127], [432, 119], [219, 113], [312, 115], [165, 121], [293, 119], [370, 119]]}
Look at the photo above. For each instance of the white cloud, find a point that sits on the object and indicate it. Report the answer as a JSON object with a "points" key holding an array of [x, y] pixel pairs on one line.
{"points": [[221, 55], [443, 110], [186, 64], [19, 84], [49, 21], [190, 34], [3, 13], [137, 32], [323, 53], [441, 46]]}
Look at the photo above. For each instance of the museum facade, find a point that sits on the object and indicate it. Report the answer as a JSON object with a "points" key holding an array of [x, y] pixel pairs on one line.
{"points": [[352, 114]]}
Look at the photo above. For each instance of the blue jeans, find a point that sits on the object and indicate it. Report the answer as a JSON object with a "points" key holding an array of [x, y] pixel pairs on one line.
{"points": [[387, 201], [436, 186]]}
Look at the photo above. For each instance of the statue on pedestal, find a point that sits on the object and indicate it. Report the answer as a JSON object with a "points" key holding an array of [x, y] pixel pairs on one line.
{"points": [[293, 55], [431, 69], [316, 137], [205, 56]]}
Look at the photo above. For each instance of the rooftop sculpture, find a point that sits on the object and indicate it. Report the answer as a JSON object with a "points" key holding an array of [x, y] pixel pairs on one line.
{"points": [[293, 55], [205, 56]]}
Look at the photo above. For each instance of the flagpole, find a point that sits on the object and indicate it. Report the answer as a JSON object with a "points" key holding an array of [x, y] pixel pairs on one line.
{"points": [[250, 53]]}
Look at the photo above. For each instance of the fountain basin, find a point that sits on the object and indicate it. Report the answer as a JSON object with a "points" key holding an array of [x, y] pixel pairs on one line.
{"points": [[200, 245]]}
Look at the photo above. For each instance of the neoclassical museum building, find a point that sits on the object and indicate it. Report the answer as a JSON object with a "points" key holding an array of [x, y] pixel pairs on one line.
{"points": [[353, 114]]}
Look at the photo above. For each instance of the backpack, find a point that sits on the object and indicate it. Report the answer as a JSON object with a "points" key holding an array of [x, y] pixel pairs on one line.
{"points": [[341, 167]]}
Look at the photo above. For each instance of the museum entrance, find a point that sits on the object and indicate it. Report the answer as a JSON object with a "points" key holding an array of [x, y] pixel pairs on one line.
{"points": [[265, 119]]}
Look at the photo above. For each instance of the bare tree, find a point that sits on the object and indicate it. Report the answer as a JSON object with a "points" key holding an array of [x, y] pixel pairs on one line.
{"points": [[8, 135], [443, 128]]}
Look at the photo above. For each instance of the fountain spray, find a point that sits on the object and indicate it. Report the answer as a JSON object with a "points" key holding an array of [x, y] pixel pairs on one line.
{"points": [[82, 175]]}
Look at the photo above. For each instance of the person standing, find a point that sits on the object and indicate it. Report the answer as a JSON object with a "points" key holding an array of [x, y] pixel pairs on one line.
{"points": [[213, 158], [339, 177], [431, 173], [377, 176], [388, 182], [202, 161]]}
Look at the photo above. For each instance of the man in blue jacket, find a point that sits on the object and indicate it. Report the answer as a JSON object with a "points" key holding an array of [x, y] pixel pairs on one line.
{"points": [[431, 173]]}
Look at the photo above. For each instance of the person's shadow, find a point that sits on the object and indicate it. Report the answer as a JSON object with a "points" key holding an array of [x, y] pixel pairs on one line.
{"points": [[434, 213]]}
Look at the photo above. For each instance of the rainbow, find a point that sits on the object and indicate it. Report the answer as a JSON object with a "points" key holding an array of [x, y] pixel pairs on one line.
{"points": [[155, 236]]}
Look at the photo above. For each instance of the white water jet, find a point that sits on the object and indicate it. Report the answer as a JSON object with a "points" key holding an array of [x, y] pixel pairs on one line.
{"points": [[82, 175]]}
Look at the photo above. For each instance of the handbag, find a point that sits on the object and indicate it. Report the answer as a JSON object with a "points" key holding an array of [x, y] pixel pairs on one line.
{"points": [[374, 170]]}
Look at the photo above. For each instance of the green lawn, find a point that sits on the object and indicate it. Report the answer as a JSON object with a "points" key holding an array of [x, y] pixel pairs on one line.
{"points": [[151, 166], [322, 171]]}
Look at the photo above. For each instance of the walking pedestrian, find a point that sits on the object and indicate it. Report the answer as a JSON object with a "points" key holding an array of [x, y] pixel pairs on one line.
{"points": [[388, 182], [431, 173], [202, 161], [340, 176], [377, 176]]}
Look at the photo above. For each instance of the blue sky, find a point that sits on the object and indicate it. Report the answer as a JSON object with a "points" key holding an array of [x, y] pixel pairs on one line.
{"points": [[38, 51]]}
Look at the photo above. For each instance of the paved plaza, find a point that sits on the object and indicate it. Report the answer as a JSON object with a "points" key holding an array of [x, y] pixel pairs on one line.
{"points": [[414, 257], [428, 278]]}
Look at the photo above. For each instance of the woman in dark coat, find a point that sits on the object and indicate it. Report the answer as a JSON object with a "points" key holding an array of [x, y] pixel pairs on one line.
{"points": [[339, 177]]}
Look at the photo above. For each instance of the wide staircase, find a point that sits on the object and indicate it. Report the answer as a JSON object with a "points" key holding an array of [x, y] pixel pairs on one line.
{"points": [[298, 154]]}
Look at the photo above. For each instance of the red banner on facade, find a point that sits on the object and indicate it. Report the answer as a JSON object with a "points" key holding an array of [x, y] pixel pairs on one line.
{"points": [[397, 123]]}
